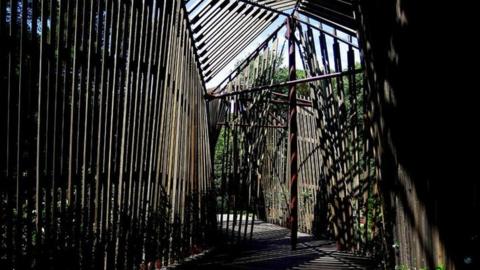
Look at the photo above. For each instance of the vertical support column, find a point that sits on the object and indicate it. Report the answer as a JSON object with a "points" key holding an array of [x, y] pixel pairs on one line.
{"points": [[292, 131]]}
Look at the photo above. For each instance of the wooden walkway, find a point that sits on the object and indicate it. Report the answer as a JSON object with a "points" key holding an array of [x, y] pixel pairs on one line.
{"points": [[270, 249]]}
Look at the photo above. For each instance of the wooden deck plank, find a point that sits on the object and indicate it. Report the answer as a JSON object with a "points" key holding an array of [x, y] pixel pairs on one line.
{"points": [[270, 249]]}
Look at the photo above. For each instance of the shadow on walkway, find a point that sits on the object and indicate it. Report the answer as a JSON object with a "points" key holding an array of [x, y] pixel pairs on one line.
{"points": [[270, 249]]}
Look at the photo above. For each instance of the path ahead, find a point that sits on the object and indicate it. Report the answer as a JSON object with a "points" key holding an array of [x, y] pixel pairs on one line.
{"points": [[270, 249]]}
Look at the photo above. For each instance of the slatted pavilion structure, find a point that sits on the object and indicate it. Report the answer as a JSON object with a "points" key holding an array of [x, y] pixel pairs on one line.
{"points": [[104, 135], [266, 134]]}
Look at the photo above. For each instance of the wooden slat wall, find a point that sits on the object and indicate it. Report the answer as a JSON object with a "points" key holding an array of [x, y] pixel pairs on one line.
{"points": [[337, 193], [104, 159], [348, 203], [309, 169], [274, 177], [428, 182], [244, 134]]}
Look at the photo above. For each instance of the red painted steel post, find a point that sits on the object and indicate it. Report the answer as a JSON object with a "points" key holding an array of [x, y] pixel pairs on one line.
{"points": [[292, 131]]}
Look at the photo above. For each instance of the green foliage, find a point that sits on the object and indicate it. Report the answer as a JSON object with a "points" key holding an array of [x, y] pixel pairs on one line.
{"points": [[219, 155], [405, 267], [281, 75], [217, 164]]}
